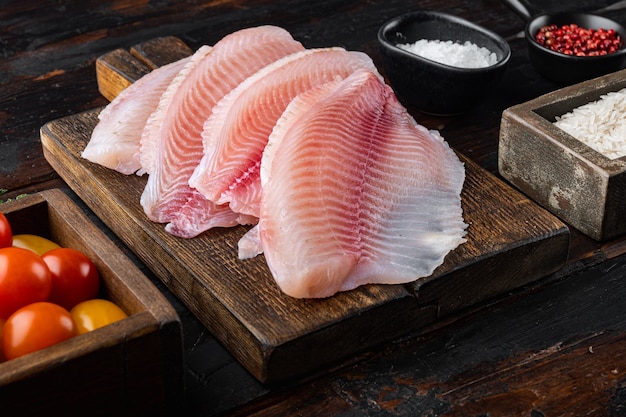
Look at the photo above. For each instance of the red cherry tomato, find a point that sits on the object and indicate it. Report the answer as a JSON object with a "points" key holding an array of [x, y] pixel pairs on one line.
{"points": [[36, 326], [24, 279], [75, 278], [6, 235]]}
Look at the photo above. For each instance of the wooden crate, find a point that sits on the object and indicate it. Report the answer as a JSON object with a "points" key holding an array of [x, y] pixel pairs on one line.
{"points": [[579, 185], [131, 367]]}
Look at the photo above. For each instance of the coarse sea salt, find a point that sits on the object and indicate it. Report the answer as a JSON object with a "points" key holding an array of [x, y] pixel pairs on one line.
{"points": [[461, 55], [600, 124]]}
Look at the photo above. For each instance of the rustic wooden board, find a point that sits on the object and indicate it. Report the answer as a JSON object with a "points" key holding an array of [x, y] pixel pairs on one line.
{"points": [[511, 242], [120, 68]]}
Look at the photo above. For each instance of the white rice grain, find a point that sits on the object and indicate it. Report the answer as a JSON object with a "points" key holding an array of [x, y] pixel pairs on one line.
{"points": [[600, 124]]}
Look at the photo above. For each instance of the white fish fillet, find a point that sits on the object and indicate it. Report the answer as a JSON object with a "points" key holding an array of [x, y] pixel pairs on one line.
{"points": [[355, 192], [238, 129], [178, 147], [151, 135], [115, 140]]}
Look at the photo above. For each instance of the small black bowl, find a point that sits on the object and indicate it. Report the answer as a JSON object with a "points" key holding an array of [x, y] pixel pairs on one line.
{"points": [[568, 69], [433, 87]]}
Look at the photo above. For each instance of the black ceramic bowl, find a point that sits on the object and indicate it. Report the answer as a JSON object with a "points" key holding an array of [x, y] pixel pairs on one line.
{"points": [[430, 86], [567, 69]]}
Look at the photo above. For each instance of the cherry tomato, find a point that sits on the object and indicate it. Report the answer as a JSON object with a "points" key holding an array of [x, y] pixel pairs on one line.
{"points": [[75, 278], [37, 244], [6, 235], [24, 279], [36, 326], [93, 314]]}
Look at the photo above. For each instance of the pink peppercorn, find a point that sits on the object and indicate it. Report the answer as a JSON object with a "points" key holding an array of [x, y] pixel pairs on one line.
{"points": [[574, 40]]}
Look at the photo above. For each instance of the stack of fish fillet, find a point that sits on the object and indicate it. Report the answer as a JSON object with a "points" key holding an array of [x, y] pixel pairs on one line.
{"points": [[309, 146]]}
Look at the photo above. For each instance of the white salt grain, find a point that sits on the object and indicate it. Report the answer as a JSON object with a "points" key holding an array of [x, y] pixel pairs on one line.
{"points": [[600, 124], [466, 55]]}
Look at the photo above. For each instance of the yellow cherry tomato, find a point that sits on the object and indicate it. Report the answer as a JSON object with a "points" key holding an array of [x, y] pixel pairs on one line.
{"points": [[93, 314], [37, 244]]}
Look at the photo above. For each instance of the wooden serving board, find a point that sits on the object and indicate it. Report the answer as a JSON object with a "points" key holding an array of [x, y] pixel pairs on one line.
{"points": [[511, 242]]}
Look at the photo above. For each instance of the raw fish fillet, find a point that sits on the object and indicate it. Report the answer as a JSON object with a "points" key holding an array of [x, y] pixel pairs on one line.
{"points": [[356, 192], [115, 140], [151, 134], [238, 129], [178, 147]]}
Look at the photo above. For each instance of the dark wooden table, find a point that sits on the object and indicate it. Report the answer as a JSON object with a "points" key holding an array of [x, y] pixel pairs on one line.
{"points": [[556, 348]]}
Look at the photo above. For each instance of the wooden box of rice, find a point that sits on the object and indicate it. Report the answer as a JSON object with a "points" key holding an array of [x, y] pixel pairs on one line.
{"points": [[567, 151]]}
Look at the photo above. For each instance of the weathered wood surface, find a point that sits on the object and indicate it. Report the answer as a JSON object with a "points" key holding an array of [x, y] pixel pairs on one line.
{"points": [[270, 332], [481, 367], [48, 52]]}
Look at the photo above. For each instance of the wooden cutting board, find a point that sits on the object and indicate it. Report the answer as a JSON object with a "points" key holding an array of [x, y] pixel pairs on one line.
{"points": [[511, 242]]}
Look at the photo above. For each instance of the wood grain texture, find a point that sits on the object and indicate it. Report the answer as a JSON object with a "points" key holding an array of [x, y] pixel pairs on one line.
{"points": [[270, 332], [558, 361], [118, 69], [161, 51]]}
